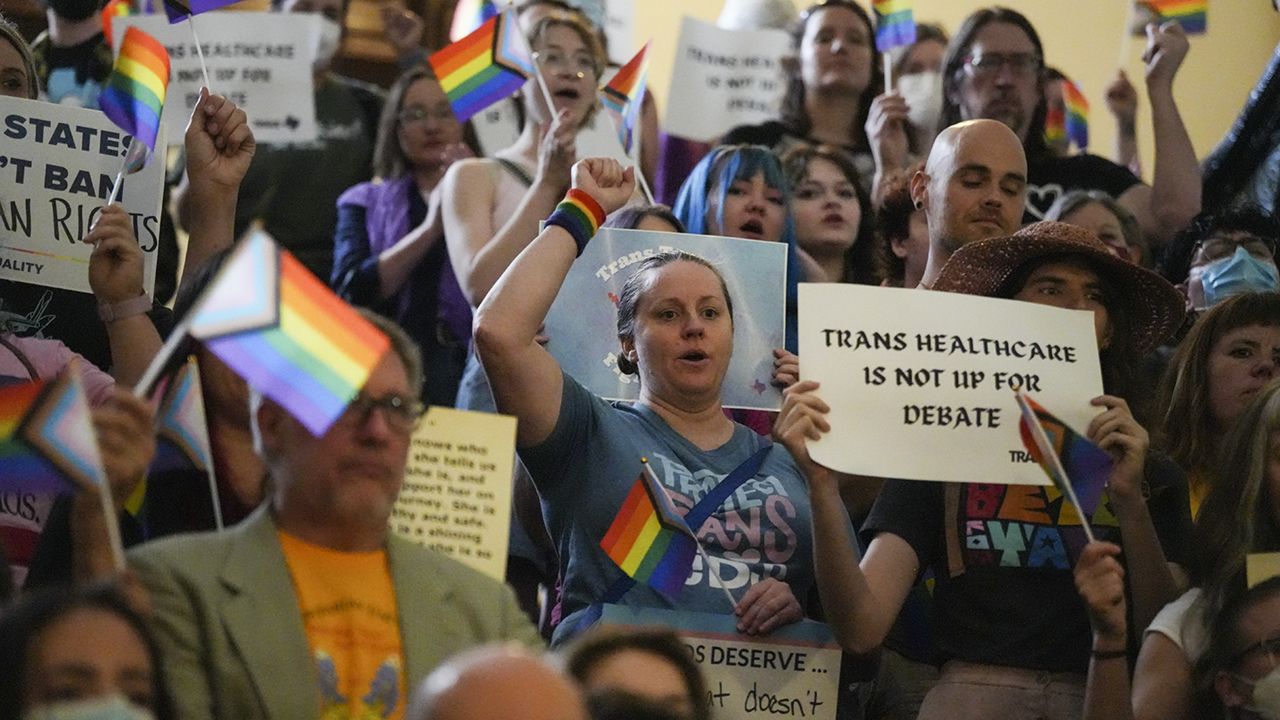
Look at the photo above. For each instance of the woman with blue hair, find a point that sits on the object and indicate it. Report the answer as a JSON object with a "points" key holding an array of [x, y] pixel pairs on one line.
{"points": [[740, 191]]}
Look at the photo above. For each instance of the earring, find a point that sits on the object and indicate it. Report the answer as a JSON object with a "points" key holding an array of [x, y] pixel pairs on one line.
{"points": [[919, 204]]}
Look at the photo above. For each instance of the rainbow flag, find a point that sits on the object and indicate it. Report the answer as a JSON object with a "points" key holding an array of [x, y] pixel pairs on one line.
{"points": [[47, 441], [1086, 466], [182, 436], [134, 94], [895, 24], [112, 10], [179, 10], [1192, 15], [286, 333], [469, 15], [1077, 114], [624, 96], [483, 67], [649, 540]]}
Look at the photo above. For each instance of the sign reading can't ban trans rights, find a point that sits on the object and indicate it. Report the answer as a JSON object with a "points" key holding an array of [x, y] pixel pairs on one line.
{"points": [[583, 321], [793, 671], [921, 384], [57, 165]]}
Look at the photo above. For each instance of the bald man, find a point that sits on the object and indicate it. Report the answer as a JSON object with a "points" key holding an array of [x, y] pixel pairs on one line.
{"points": [[497, 681], [973, 187]]}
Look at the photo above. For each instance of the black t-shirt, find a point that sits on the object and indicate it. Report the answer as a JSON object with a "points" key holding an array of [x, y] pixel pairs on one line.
{"points": [[779, 137], [1050, 177], [1013, 601]]}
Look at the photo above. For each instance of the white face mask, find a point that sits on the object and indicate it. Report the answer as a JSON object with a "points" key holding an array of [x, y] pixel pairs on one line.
{"points": [[113, 707], [1266, 695], [923, 93], [328, 43]]}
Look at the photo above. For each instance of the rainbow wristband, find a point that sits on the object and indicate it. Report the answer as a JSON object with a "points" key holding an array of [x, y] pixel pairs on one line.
{"points": [[580, 216]]}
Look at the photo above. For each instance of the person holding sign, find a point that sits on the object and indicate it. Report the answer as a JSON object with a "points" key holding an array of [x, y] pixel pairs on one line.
{"points": [[830, 85], [389, 250], [1240, 516], [675, 324], [1005, 605]]}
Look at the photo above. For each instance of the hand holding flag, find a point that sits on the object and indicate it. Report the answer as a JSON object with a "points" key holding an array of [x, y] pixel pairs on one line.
{"points": [[1077, 467], [485, 66], [649, 540]]}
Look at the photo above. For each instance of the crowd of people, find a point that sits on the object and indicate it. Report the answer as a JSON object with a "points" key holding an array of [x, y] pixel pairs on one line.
{"points": [[454, 240]]}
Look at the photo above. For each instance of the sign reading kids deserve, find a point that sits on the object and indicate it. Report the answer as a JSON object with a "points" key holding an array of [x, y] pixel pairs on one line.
{"points": [[724, 78], [792, 671], [583, 320], [921, 384], [456, 497], [57, 166], [259, 61]]}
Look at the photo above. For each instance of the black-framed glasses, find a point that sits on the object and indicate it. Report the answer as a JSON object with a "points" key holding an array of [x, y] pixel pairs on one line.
{"points": [[400, 413], [986, 65], [1217, 247]]}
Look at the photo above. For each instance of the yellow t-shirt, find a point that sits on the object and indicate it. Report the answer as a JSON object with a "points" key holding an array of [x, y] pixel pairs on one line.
{"points": [[349, 612]]}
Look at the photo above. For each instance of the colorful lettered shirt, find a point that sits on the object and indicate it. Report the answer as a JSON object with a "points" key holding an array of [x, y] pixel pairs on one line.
{"points": [[1003, 556]]}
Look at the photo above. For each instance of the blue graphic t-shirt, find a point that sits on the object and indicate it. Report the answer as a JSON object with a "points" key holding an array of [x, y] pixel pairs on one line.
{"points": [[585, 469]]}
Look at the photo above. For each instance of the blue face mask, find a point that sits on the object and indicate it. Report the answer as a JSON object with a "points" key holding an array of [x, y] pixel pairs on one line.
{"points": [[1240, 273], [113, 707]]}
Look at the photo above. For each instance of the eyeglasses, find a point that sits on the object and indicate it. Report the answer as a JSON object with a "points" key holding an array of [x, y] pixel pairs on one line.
{"points": [[414, 114], [401, 414], [987, 65], [579, 64], [1270, 646], [1221, 246]]}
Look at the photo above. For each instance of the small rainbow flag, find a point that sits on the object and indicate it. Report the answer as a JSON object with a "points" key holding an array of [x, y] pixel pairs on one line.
{"points": [[469, 15], [286, 333], [624, 96], [134, 94], [1078, 468], [649, 540], [112, 10], [1076, 108], [47, 441], [895, 24], [1192, 15], [483, 67], [179, 10]]}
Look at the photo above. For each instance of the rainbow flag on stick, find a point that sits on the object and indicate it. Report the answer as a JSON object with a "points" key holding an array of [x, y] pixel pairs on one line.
{"points": [[1077, 114], [483, 67], [624, 96], [112, 10], [1192, 15], [47, 441], [182, 434], [895, 24], [1077, 467], [469, 15], [649, 540], [284, 332], [134, 94]]}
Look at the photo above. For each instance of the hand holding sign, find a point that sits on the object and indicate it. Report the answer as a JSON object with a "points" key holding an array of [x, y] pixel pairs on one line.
{"points": [[800, 420], [766, 605]]}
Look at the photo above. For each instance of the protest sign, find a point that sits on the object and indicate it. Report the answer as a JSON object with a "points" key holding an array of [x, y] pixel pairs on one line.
{"points": [[794, 670], [1260, 567], [456, 497], [259, 61], [724, 78], [583, 321], [57, 166], [921, 384]]}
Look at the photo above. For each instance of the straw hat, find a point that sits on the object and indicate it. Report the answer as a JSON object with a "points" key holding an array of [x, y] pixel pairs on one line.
{"points": [[1154, 307]]}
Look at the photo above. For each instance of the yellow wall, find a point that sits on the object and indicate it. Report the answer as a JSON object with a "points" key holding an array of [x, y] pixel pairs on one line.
{"points": [[1082, 38]]}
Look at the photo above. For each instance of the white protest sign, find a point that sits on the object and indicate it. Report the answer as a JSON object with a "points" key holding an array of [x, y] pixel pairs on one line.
{"points": [[583, 321], [456, 497], [724, 78], [259, 61], [620, 29], [921, 384], [57, 165], [794, 670]]}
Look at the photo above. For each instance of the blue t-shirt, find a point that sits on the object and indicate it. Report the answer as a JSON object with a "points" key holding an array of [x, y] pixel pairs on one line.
{"points": [[585, 469]]}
